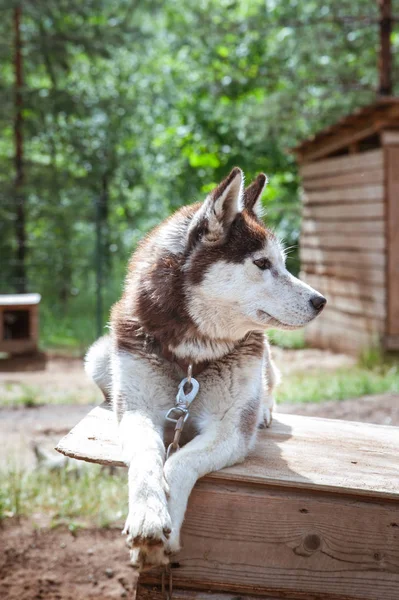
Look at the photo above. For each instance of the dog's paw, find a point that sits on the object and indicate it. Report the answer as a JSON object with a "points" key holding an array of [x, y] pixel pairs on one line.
{"points": [[145, 557], [147, 530], [266, 417], [173, 544]]}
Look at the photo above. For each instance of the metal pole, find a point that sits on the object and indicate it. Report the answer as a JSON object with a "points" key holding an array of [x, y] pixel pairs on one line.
{"points": [[99, 268], [385, 56]]}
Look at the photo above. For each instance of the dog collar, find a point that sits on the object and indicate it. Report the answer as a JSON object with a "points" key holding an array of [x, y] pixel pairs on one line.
{"points": [[184, 365]]}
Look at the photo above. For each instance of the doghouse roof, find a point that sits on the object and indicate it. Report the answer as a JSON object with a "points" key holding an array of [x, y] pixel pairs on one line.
{"points": [[365, 122], [19, 299]]}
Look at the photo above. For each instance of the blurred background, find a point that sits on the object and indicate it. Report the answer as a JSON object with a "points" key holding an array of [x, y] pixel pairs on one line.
{"points": [[114, 114]]}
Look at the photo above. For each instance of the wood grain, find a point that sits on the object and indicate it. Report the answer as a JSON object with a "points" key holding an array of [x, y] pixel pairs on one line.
{"points": [[279, 455], [361, 194], [370, 324], [364, 260], [390, 138], [392, 166], [343, 164], [372, 228], [349, 273], [288, 544], [360, 177], [342, 288], [350, 210], [340, 337], [343, 241]]}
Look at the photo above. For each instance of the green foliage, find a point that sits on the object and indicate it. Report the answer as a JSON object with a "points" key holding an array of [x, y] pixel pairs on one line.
{"points": [[143, 106], [294, 340]]}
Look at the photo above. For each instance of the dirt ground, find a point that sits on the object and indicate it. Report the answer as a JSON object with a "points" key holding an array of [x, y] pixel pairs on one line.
{"points": [[43, 564]]}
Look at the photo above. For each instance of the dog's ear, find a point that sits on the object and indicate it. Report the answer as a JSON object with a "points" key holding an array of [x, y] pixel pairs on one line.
{"points": [[253, 193], [221, 207]]}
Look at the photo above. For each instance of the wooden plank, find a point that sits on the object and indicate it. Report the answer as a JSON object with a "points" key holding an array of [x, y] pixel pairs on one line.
{"points": [[337, 142], [149, 592], [342, 288], [343, 164], [287, 455], [18, 346], [364, 260], [355, 211], [391, 342], [287, 544], [339, 338], [392, 172], [361, 307], [390, 138], [369, 323], [362, 177], [345, 272], [343, 241], [372, 228], [361, 194]]}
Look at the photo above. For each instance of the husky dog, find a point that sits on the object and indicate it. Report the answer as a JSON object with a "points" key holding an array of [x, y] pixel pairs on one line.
{"points": [[201, 289]]}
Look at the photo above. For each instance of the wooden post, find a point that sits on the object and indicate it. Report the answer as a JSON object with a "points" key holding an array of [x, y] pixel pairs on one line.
{"points": [[392, 233], [385, 57]]}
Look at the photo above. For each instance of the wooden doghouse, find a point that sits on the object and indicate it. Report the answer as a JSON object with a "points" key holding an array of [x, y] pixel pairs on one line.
{"points": [[350, 230], [312, 513], [19, 323]]}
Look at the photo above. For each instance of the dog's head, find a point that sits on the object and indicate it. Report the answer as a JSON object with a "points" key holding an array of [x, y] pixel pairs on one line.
{"points": [[212, 272], [236, 279]]}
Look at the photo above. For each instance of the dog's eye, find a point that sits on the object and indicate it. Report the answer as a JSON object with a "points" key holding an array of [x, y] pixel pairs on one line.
{"points": [[263, 263]]}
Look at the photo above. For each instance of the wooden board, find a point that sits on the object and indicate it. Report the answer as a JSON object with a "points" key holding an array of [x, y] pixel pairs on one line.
{"points": [[279, 455], [354, 322], [360, 194], [346, 289], [247, 539], [372, 228], [391, 342], [343, 241], [361, 177], [341, 212], [390, 138], [392, 162], [340, 337], [343, 164], [313, 513], [344, 272], [364, 260]]}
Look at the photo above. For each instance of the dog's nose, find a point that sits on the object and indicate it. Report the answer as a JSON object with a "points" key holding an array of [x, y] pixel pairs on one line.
{"points": [[318, 302]]}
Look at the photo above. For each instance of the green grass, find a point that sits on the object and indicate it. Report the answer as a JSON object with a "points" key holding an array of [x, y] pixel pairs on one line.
{"points": [[93, 497], [338, 385], [287, 339], [20, 395]]}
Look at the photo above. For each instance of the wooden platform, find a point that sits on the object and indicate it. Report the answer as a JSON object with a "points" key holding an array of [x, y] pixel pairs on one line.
{"points": [[312, 514]]}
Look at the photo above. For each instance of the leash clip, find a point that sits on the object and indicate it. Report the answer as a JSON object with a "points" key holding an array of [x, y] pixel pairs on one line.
{"points": [[178, 414]]}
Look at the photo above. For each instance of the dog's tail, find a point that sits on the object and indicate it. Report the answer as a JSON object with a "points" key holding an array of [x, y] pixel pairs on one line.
{"points": [[98, 364]]}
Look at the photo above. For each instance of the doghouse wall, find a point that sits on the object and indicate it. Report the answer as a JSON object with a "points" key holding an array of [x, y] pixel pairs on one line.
{"points": [[343, 249]]}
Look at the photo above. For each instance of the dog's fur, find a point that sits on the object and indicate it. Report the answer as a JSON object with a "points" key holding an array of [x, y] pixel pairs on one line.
{"points": [[201, 288]]}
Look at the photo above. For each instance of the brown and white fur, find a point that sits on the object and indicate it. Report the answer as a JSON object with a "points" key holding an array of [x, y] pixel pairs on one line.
{"points": [[201, 288]]}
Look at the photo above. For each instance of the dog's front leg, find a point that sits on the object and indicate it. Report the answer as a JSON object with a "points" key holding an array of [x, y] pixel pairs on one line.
{"points": [[212, 450], [148, 524]]}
